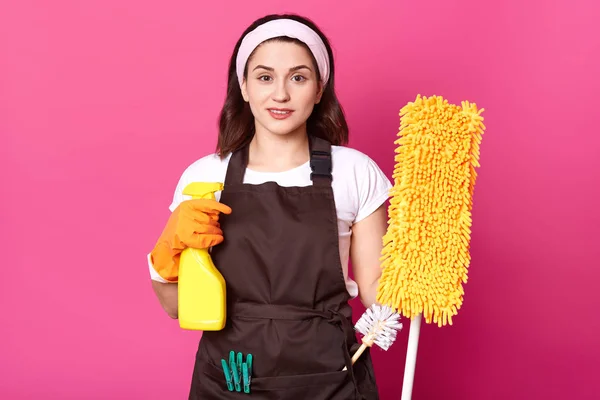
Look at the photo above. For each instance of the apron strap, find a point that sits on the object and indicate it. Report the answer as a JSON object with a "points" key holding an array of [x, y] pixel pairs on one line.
{"points": [[320, 163], [237, 166]]}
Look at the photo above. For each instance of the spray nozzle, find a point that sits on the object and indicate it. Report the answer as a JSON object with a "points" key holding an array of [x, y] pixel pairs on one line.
{"points": [[203, 190]]}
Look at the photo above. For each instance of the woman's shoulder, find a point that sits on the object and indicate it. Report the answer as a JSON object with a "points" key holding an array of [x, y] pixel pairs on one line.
{"points": [[349, 159], [209, 166], [348, 154]]}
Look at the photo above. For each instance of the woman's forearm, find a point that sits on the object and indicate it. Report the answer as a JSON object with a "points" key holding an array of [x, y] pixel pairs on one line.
{"points": [[167, 296]]}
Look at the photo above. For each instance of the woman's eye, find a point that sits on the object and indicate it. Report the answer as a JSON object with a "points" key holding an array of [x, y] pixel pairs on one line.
{"points": [[298, 78], [264, 78]]}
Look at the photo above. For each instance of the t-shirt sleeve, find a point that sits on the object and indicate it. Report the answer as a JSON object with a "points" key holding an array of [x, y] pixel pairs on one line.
{"points": [[373, 189]]}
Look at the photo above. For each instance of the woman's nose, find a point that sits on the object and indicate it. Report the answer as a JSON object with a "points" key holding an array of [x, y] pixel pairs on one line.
{"points": [[280, 92]]}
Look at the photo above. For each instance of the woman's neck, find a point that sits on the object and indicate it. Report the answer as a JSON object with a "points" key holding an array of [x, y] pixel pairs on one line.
{"points": [[276, 153]]}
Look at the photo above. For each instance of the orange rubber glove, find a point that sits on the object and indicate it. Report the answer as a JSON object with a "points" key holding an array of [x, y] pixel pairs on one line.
{"points": [[194, 223]]}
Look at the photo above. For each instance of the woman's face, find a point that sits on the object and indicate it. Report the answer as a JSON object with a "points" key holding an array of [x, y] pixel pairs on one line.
{"points": [[281, 87]]}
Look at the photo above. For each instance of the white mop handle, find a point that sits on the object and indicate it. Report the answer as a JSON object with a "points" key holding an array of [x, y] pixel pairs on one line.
{"points": [[411, 357]]}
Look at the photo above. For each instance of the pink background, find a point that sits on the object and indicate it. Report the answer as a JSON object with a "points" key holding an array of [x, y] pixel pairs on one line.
{"points": [[104, 103]]}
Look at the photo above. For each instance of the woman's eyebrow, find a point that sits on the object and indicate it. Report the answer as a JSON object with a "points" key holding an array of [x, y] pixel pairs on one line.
{"points": [[263, 67], [296, 68]]}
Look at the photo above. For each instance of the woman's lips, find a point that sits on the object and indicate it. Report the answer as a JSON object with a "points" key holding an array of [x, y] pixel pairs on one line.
{"points": [[280, 113]]}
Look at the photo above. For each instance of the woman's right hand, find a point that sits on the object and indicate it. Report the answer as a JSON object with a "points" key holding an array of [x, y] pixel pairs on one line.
{"points": [[195, 224]]}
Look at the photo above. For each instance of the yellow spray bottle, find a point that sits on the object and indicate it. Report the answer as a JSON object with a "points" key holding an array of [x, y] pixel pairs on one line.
{"points": [[201, 287]]}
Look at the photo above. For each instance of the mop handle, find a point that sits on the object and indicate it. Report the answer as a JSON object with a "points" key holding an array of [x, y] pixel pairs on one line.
{"points": [[411, 357]]}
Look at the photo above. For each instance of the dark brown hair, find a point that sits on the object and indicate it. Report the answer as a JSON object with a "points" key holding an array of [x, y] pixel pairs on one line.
{"points": [[236, 122]]}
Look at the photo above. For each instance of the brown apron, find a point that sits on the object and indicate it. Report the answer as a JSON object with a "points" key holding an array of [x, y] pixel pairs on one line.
{"points": [[287, 302]]}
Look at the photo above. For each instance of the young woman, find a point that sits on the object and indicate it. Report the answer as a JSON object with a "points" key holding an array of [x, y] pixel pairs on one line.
{"points": [[296, 207]]}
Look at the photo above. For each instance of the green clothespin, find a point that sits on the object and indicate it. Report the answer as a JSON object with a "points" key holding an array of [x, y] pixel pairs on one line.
{"points": [[247, 373], [231, 357], [227, 375], [239, 364], [249, 362], [235, 372], [238, 373], [246, 378]]}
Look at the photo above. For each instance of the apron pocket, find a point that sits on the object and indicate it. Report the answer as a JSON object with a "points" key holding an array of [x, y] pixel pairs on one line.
{"points": [[335, 385], [365, 375]]}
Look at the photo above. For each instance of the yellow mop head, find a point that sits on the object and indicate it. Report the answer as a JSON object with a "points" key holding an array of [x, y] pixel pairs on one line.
{"points": [[426, 247]]}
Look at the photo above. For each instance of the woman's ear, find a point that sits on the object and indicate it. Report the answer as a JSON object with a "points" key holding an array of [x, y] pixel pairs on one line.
{"points": [[319, 93], [244, 92]]}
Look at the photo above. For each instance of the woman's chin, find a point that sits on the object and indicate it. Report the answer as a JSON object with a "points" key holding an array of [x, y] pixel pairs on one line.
{"points": [[284, 128]]}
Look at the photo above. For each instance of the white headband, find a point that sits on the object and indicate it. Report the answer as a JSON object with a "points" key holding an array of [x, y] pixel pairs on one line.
{"points": [[289, 28]]}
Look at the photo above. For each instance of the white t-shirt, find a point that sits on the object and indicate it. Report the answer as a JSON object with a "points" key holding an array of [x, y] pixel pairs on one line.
{"points": [[359, 188]]}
